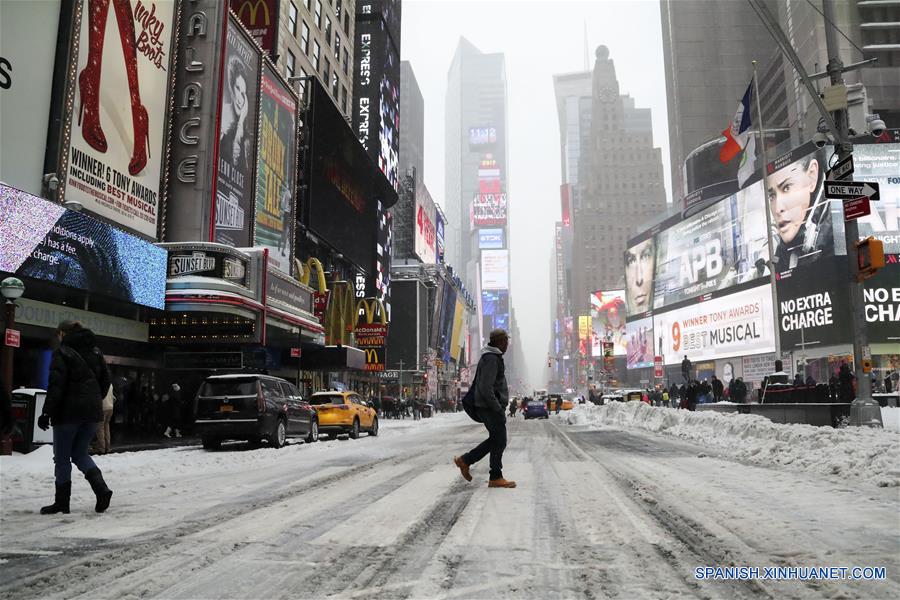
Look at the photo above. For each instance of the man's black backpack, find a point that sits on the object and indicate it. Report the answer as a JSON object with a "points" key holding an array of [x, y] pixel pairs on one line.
{"points": [[468, 401]]}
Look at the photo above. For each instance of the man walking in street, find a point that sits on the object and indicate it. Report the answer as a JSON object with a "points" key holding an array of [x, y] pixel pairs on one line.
{"points": [[491, 397]]}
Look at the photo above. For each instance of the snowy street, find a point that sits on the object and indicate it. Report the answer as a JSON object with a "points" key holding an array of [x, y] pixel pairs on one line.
{"points": [[598, 512]]}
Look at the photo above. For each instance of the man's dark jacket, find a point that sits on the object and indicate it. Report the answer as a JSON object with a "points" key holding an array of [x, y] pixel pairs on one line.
{"points": [[79, 379], [491, 390]]}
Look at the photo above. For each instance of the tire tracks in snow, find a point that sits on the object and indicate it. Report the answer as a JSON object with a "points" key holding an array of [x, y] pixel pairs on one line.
{"points": [[686, 544]]}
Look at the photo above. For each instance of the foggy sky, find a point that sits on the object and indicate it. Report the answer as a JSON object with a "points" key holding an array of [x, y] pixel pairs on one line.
{"points": [[540, 39]]}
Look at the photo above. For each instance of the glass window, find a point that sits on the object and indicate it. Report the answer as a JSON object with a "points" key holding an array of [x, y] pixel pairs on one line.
{"points": [[338, 8], [327, 30], [344, 99], [304, 37], [302, 82], [326, 398], [292, 18], [271, 389], [306, 4], [337, 46], [318, 14], [291, 63], [346, 62], [334, 84], [326, 72], [317, 51], [347, 23]]}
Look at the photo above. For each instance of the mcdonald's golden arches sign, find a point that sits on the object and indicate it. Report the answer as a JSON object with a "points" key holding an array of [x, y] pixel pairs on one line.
{"points": [[260, 17]]}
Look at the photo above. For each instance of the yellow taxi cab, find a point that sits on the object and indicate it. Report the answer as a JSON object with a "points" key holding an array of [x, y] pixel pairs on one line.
{"points": [[553, 399], [343, 412]]}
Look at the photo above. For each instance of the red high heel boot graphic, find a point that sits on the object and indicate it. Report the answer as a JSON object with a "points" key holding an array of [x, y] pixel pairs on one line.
{"points": [[89, 78], [141, 151]]}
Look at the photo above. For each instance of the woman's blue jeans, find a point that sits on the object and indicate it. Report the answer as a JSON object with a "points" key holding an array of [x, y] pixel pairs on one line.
{"points": [[70, 445]]}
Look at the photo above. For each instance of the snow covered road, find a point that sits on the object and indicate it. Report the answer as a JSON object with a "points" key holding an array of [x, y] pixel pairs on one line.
{"points": [[608, 513]]}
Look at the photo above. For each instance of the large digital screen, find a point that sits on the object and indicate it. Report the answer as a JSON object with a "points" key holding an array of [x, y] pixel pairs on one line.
{"points": [[880, 163], [584, 335], [426, 234], [345, 185], [814, 304], [608, 321], [639, 343], [714, 249], [494, 302], [489, 206], [235, 182], [116, 152], [490, 239], [732, 325], [376, 90], [482, 136], [276, 171], [42, 240], [495, 269]]}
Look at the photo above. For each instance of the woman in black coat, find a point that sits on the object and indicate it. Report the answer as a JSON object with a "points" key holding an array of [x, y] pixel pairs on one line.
{"points": [[79, 379]]}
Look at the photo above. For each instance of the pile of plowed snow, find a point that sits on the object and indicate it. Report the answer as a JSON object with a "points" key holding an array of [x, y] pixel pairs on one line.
{"points": [[859, 453]]}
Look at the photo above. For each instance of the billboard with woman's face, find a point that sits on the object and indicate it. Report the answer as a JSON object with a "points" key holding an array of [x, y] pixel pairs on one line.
{"points": [[235, 182], [802, 220]]}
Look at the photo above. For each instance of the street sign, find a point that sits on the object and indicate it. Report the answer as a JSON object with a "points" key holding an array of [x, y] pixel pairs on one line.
{"points": [[295, 352], [856, 208], [13, 338], [842, 170], [848, 190]]}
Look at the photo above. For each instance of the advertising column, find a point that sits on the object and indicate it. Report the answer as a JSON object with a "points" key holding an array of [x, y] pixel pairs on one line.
{"points": [[237, 140], [114, 145], [276, 171]]}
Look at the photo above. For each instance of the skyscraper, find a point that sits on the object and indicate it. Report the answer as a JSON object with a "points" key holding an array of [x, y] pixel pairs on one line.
{"points": [[620, 185], [476, 185], [708, 46]]}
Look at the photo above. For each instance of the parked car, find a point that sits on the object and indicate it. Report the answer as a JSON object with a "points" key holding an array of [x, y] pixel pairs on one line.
{"points": [[535, 409], [344, 412], [252, 407]]}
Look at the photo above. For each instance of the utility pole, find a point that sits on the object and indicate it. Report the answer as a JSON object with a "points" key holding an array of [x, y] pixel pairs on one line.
{"points": [[851, 230], [400, 380], [838, 124]]}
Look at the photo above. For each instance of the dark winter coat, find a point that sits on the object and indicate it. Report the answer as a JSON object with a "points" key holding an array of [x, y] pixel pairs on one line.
{"points": [[717, 387], [79, 379], [491, 390]]}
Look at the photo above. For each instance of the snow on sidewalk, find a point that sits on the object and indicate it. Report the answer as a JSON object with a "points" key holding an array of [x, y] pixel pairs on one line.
{"points": [[859, 453]]}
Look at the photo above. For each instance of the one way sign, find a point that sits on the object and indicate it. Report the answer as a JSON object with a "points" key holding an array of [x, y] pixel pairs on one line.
{"points": [[846, 190]]}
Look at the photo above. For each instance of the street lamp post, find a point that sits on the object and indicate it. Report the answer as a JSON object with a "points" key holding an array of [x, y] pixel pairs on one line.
{"points": [[12, 289]]}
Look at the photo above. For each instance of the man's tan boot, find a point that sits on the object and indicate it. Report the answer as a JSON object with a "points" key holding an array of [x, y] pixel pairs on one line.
{"points": [[463, 467], [501, 483]]}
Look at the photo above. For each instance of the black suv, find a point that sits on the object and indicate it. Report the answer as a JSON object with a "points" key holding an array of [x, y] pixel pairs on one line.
{"points": [[252, 407]]}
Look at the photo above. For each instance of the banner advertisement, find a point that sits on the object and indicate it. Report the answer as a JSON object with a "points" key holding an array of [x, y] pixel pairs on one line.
{"points": [[608, 321], [455, 345], [260, 17], [569, 347], [495, 269], [639, 335], [756, 368], [880, 163], [117, 151], [448, 312], [189, 260], [439, 236], [584, 335], [378, 284], [881, 294], [813, 305], [490, 239], [372, 338], [733, 325], [235, 181], [43, 240], [716, 248], [426, 237], [276, 172]]}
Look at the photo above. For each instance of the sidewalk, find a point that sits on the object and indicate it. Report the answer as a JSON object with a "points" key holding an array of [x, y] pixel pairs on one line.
{"points": [[135, 444]]}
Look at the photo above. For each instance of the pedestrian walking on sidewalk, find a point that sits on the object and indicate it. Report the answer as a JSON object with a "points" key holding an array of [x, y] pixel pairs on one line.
{"points": [[173, 411], [103, 433], [79, 379], [491, 396]]}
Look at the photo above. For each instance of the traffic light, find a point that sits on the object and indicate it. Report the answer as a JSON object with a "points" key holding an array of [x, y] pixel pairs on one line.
{"points": [[870, 257]]}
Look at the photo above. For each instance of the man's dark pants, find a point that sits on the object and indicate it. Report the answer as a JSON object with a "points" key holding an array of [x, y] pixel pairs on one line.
{"points": [[495, 422]]}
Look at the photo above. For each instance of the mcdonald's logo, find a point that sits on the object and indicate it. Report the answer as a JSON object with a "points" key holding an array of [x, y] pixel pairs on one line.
{"points": [[374, 359], [370, 307], [253, 8]]}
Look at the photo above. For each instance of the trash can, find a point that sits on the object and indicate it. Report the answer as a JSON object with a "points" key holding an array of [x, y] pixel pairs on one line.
{"points": [[27, 405]]}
